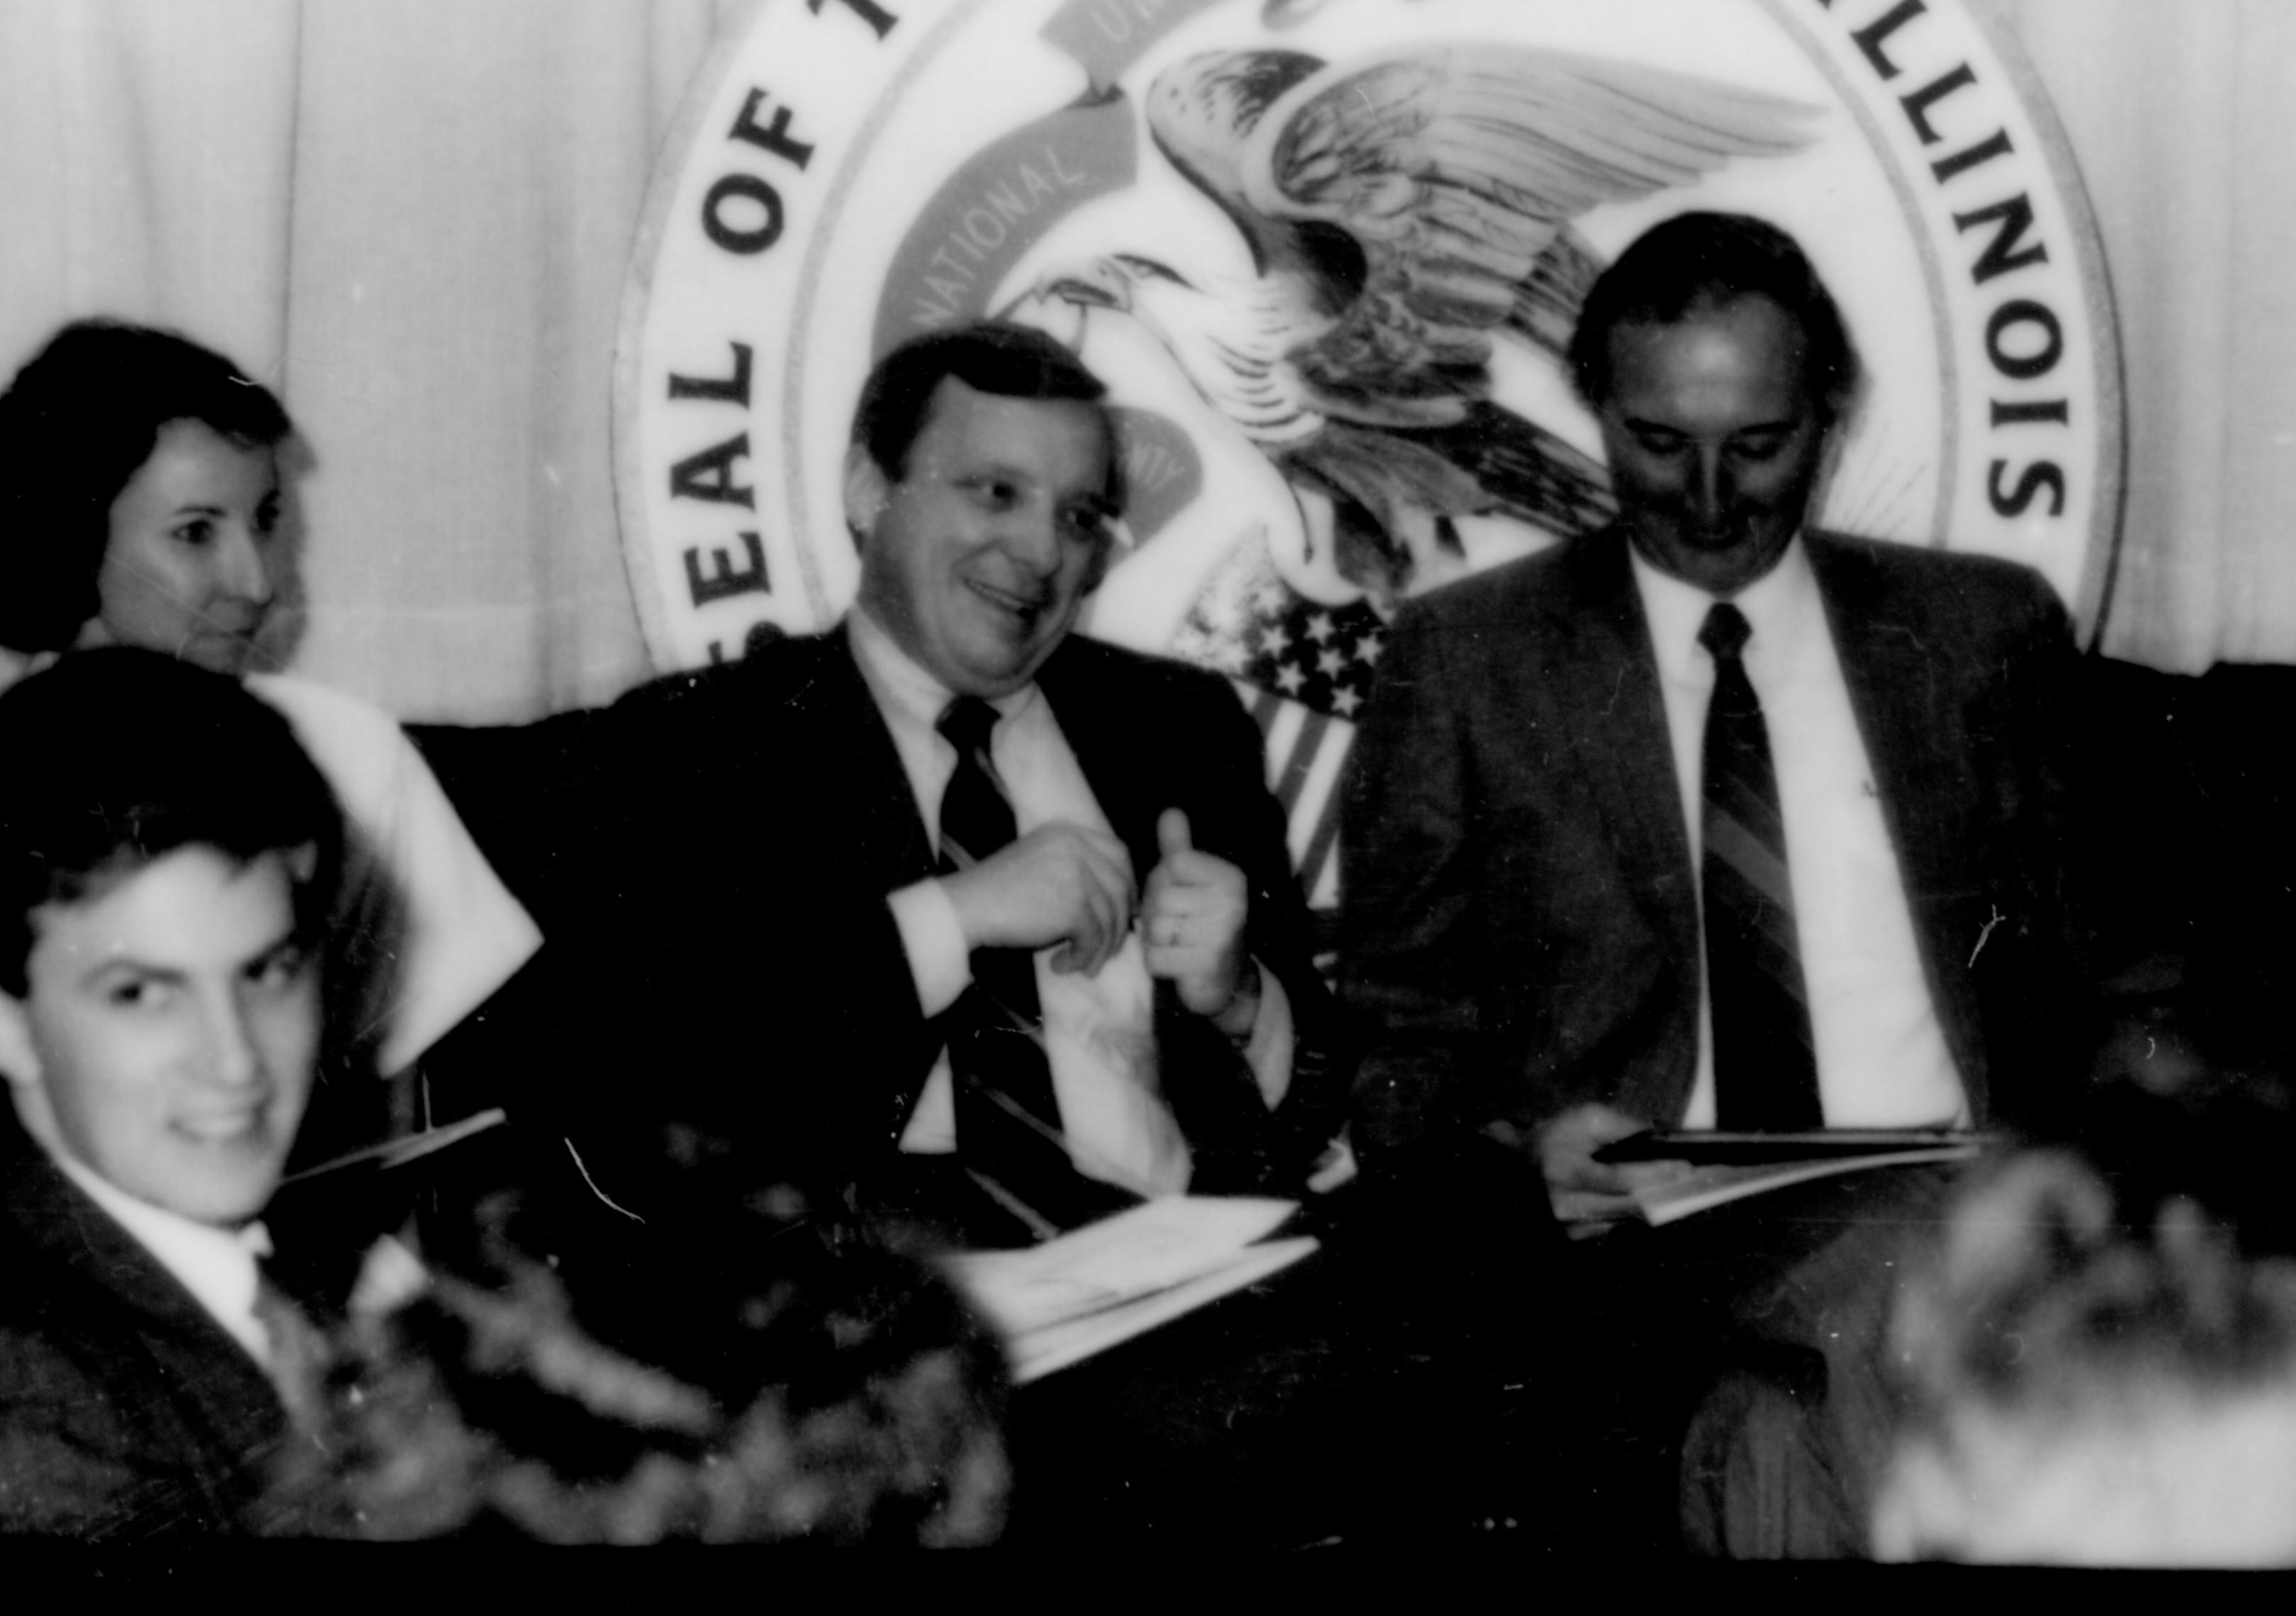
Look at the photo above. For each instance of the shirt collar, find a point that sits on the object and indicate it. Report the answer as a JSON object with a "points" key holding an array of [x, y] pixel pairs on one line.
{"points": [[906, 690], [216, 1265], [1779, 607]]}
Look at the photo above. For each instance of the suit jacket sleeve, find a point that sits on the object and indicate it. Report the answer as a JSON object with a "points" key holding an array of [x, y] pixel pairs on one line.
{"points": [[710, 864], [1409, 937], [1314, 1105]]}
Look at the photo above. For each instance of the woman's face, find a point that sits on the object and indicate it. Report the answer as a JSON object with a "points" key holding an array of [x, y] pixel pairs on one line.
{"points": [[193, 563]]}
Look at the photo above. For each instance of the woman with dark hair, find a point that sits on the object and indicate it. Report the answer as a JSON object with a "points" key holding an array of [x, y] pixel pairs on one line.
{"points": [[140, 503]]}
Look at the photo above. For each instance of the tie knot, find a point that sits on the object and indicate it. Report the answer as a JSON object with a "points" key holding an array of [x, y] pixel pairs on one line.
{"points": [[967, 722], [1724, 632]]}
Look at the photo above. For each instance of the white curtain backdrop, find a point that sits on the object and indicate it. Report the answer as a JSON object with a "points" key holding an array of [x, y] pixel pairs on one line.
{"points": [[413, 218], [2183, 115]]}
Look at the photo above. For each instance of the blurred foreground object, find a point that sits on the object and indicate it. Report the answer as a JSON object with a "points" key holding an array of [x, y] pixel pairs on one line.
{"points": [[743, 1379], [2101, 1357]]}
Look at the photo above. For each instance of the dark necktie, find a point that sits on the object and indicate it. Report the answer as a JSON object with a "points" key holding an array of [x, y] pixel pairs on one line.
{"points": [[1008, 1129], [1764, 1069]]}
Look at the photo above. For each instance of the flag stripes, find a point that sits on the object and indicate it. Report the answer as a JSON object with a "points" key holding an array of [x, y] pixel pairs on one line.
{"points": [[1306, 752]]}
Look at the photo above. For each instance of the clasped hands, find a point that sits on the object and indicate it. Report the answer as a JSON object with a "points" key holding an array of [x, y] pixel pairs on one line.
{"points": [[1065, 884]]}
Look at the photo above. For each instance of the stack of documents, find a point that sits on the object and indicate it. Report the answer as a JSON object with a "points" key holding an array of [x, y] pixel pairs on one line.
{"points": [[1723, 1168], [1085, 1292]]}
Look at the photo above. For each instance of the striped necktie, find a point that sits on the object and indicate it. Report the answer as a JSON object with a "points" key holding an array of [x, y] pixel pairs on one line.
{"points": [[1765, 1067], [1008, 1120]]}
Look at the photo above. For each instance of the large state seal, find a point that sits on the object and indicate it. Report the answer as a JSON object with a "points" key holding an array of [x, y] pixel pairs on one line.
{"points": [[1327, 254]]}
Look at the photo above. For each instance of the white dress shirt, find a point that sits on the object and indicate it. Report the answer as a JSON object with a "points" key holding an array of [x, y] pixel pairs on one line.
{"points": [[1099, 1031], [216, 1266], [1882, 1056]]}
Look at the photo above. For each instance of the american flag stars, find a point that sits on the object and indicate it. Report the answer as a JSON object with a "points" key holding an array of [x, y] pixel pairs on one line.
{"points": [[1320, 656]]}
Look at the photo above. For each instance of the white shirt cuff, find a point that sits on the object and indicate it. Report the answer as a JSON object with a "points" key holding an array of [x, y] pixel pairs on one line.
{"points": [[933, 937]]}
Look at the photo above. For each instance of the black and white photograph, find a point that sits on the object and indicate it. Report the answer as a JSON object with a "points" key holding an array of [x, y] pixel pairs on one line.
{"points": [[1450, 779]]}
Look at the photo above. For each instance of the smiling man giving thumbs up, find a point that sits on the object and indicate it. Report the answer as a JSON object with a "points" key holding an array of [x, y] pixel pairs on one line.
{"points": [[1035, 948]]}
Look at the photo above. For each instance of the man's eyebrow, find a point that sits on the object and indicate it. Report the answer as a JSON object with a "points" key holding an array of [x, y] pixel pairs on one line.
{"points": [[1005, 469], [127, 964]]}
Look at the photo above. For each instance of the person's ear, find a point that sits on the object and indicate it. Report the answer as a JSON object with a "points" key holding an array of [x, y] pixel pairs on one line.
{"points": [[867, 491], [1104, 556], [20, 1058]]}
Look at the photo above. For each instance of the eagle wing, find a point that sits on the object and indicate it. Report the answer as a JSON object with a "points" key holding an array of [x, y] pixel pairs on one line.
{"points": [[1454, 168]]}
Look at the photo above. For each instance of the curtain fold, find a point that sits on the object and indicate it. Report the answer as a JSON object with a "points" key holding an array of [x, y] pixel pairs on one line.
{"points": [[2181, 115], [147, 159], [469, 179]]}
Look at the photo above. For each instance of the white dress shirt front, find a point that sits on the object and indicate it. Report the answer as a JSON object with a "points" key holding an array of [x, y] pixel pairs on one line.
{"points": [[1882, 1056], [1099, 1031]]}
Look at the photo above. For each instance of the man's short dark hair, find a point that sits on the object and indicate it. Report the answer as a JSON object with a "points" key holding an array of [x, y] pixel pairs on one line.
{"points": [[77, 424], [991, 356], [1709, 260], [119, 756]]}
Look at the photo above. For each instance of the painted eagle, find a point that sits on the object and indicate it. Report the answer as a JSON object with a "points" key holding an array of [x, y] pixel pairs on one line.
{"points": [[1405, 212]]}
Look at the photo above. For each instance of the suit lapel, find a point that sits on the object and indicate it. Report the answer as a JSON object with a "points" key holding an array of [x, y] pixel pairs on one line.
{"points": [[1111, 744], [1605, 681], [220, 1416], [865, 794], [1912, 734], [1898, 675]]}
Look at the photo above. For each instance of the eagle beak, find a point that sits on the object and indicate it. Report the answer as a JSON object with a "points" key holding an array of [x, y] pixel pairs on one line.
{"points": [[1097, 285]]}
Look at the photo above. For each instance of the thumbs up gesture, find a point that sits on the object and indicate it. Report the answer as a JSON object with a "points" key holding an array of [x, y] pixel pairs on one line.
{"points": [[1191, 917]]}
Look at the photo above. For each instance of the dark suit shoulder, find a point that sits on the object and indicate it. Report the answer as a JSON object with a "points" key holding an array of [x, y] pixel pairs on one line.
{"points": [[1089, 663], [771, 669], [125, 1411], [1953, 583], [1508, 592]]}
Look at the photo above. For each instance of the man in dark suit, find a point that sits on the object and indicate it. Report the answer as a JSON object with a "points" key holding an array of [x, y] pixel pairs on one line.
{"points": [[817, 981], [169, 865]]}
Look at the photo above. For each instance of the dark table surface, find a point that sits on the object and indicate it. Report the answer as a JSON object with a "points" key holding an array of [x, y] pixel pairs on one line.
{"points": [[1481, 1381]]}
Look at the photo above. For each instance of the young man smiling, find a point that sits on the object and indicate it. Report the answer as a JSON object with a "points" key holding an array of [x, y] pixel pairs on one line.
{"points": [[169, 862]]}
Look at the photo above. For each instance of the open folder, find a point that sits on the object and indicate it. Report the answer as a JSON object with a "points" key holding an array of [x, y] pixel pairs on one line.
{"points": [[1727, 1167], [1085, 1292]]}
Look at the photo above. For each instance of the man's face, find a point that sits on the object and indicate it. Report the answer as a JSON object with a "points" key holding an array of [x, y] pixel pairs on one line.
{"points": [[169, 1030], [1714, 441], [977, 560]]}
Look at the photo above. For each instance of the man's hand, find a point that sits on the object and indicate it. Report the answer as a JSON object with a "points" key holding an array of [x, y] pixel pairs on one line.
{"points": [[1192, 918], [1061, 884], [1591, 1197]]}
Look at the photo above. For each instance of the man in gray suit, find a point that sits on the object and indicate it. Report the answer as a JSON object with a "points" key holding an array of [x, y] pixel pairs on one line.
{"points": [[1575, 909], [1709, 819]]}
